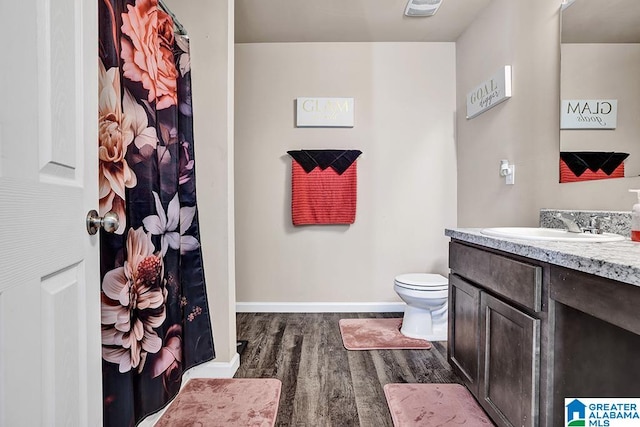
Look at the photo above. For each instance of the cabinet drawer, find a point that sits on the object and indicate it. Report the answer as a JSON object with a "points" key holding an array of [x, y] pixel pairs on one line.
{"points": [[515, 280]]}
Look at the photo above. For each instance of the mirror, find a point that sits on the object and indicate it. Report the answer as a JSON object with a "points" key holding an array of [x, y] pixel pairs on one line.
{"points": [[600, 63]]}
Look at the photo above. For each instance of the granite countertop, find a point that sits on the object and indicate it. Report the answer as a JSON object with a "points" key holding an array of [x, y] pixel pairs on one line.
{"points": [[613, 260]]}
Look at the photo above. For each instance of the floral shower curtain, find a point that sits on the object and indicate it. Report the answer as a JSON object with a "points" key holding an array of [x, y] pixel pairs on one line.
{"points": [[155, 319]]}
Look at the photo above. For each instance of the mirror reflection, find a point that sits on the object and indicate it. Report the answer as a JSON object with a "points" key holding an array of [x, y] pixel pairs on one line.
{"points": [[600, 63]]}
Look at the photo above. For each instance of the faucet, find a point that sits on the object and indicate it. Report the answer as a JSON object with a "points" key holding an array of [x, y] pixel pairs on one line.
{"points": [[570, 221], [595, 224], [573, 224]]}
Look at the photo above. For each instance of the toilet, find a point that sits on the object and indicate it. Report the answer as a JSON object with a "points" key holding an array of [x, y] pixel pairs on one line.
{"points": [[426, 295]]}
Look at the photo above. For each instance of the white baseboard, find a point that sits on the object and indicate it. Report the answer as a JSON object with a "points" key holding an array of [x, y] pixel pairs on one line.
{"points": [[320, 307], [214, 369], [211, 369]]}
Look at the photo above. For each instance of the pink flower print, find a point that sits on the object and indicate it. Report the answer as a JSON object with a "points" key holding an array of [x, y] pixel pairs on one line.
{"points": [[114, 136], [147, 51], [169, 358], [186, 164], [195, 312], [133, 304]]}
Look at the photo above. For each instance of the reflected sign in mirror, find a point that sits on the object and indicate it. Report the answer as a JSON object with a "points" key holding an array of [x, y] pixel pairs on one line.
{"points": [[600, 62]]}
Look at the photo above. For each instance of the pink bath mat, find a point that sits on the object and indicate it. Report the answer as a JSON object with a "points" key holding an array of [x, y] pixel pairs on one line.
{"points": [[224, 402], [431, 405], [377, 334]]}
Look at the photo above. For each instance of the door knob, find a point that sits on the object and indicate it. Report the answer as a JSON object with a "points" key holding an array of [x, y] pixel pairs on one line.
{"points": [[110, 222]]}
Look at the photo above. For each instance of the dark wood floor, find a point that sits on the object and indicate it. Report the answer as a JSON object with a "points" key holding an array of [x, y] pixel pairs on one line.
{"points": [[323, 384]]}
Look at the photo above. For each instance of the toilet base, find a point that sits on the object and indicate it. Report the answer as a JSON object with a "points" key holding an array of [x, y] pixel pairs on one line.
{"points": [[417, 323]]}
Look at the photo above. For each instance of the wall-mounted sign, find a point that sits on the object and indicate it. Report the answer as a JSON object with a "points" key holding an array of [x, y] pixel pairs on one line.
{"points": [[490, 93], [324, 112], [589, 114]]}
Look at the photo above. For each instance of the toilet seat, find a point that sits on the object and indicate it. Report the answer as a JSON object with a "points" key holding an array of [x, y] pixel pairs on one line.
{"points": [[422, 282]]}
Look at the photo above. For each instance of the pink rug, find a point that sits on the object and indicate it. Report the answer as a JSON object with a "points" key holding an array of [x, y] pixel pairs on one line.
{"points": [[431, 405], [224, 402], [377, 334]]}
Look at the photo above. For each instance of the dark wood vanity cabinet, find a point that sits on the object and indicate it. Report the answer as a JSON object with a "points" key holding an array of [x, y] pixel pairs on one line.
{"points": [[525, 334], [494, 332]]}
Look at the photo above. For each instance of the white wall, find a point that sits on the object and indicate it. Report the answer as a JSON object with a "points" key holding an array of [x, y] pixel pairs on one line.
{"points": [[404, 124]]}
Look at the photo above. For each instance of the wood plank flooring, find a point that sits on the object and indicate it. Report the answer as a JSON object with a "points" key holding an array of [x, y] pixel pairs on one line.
{"points": [[323, 384]]}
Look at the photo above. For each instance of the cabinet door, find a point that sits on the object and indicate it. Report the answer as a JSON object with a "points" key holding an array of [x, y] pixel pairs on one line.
{"points": [[510, 360], [464, 334]]}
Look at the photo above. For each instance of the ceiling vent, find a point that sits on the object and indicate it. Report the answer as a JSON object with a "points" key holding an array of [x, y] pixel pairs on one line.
{"points": [[422, 7]]}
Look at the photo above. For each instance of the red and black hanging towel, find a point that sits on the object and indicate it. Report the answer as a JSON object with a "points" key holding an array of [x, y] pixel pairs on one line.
{"points": [[323, 186], [588, 165]]}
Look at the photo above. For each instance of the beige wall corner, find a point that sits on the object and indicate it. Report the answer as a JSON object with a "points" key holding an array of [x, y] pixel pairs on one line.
{"points": [[524, 129], [404, 125], [210, 27]]}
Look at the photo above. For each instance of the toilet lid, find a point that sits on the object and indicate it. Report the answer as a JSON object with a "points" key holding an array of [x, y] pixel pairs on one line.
{"points": [[422, 281]]}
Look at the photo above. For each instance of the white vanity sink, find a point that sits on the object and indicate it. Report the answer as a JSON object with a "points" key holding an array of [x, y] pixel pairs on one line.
{"points": [[548, 234]]}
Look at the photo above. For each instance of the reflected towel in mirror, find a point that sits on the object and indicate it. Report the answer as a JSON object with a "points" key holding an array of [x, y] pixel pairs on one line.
{"points": [[590, 165]]}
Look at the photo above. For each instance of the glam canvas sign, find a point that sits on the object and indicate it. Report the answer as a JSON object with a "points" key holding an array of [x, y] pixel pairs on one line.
{"points": [[324, 112], [589, 114], [489, 93]]}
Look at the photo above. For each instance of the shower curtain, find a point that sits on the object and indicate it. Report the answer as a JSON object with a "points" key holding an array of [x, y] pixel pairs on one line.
{"points": [[155, 319]]}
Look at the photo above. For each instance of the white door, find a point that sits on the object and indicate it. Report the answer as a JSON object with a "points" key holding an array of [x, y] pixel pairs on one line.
{"points": [[50, 361]]}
